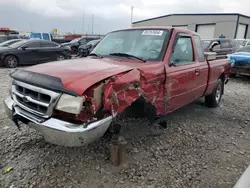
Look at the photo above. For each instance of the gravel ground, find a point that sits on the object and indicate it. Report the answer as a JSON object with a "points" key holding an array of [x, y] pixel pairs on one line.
{"points": [[200, 147]]}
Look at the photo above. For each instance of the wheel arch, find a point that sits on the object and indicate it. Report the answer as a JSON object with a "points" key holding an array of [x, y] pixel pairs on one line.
{"points": [[5, 55]]}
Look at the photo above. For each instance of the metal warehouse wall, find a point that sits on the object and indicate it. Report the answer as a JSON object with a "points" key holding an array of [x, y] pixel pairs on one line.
{"points": [[244, 20], [225, 24]]}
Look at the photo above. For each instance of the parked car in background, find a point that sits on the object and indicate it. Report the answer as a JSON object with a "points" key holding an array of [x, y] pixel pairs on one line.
{"points": [[47, 36], [75, 43], [74, 103], [60, 41], [240, 62], [42, 36], [4, 38], [27, 52], [85, 49], [221, 46], [243, 42], [9, 42]]}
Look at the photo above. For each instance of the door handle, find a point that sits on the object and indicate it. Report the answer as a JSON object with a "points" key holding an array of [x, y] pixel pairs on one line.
{"points": [[197, 72]]}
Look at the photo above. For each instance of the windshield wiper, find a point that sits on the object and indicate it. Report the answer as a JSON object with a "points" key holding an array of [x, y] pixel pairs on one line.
{"points": [[127, 55], [94, 54]]}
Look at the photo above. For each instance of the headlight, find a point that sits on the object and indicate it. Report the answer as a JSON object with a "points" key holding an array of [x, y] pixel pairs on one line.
{"points": [[70, 104]]}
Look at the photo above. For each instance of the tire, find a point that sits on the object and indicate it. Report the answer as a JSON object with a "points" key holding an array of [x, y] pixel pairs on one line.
{"points": [[60, 57], [10, 61], [74, 50], [233, 75], [213, 100]]}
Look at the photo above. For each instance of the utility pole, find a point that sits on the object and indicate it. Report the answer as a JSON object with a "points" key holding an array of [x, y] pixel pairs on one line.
{"points": [[31, 30], [92, 24], [83, 19], [132, 9]]}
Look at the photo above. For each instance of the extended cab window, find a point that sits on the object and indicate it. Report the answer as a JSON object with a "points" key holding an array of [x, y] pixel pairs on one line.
{"points": [[199, 49], [145, 44], [183, 51]]}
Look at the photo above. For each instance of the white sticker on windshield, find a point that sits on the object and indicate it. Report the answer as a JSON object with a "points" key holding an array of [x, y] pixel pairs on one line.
{"points": [[152, 32]]}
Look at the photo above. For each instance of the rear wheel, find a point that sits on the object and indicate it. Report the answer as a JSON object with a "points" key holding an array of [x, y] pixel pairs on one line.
{"points": [[213, 100], [10, 61]]}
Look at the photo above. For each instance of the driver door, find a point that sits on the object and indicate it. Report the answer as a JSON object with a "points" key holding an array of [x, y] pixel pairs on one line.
{"points": [[182, 73], [29, 52]]}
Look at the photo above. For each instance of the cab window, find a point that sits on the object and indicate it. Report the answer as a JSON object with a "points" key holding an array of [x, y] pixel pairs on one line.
{"points": [[199, 49]]}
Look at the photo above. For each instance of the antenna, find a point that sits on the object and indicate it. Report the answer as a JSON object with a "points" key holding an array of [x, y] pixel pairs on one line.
{"points": [[92, 24], [132, 9]]}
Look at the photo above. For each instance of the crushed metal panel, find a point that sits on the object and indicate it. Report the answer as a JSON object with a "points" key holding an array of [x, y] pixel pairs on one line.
{"points": [[121, 91]]}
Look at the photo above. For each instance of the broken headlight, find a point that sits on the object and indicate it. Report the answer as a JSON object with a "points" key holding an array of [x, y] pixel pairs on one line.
{"points": [[70, 104], [10, 86]]}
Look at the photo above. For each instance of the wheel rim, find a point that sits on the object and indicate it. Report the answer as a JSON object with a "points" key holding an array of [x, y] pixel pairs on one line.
{"points": [[218, 93], [12, 62], [60, 57]]}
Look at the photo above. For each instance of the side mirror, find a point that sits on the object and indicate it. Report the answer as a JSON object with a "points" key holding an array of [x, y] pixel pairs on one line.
{"points": [[210, 56], [24, 47]]}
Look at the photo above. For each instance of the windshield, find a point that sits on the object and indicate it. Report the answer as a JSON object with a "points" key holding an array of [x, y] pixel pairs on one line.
{"points": [[18, 44], [241, 42], [93, 42], [244, 49], [75, 40], [145, 44], [206, 43]]}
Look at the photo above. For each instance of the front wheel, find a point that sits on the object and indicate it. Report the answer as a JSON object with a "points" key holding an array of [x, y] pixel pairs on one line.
{"points": [[233, 75], [10, 61], [213, 100], [60, 57], [74, 50]]}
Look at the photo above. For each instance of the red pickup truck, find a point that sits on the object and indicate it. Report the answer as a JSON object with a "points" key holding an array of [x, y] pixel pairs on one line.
{"points": [[74, 102]]}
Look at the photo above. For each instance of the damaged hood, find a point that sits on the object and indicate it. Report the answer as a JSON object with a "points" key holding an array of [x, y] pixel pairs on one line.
{"points": [[79, 74]]}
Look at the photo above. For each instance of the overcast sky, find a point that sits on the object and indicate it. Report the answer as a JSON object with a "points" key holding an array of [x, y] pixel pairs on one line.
{"points": [[67, 15]]}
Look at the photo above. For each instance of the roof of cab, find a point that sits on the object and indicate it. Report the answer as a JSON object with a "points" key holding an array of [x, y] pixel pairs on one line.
{"points": [[160, 27]]}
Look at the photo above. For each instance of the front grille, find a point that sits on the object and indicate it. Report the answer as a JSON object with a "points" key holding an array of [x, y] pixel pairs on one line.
{"points": [[36, 100]]}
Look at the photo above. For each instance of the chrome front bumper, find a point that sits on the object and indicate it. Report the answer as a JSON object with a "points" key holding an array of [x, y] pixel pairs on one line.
{"points": [[60, 132]]}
